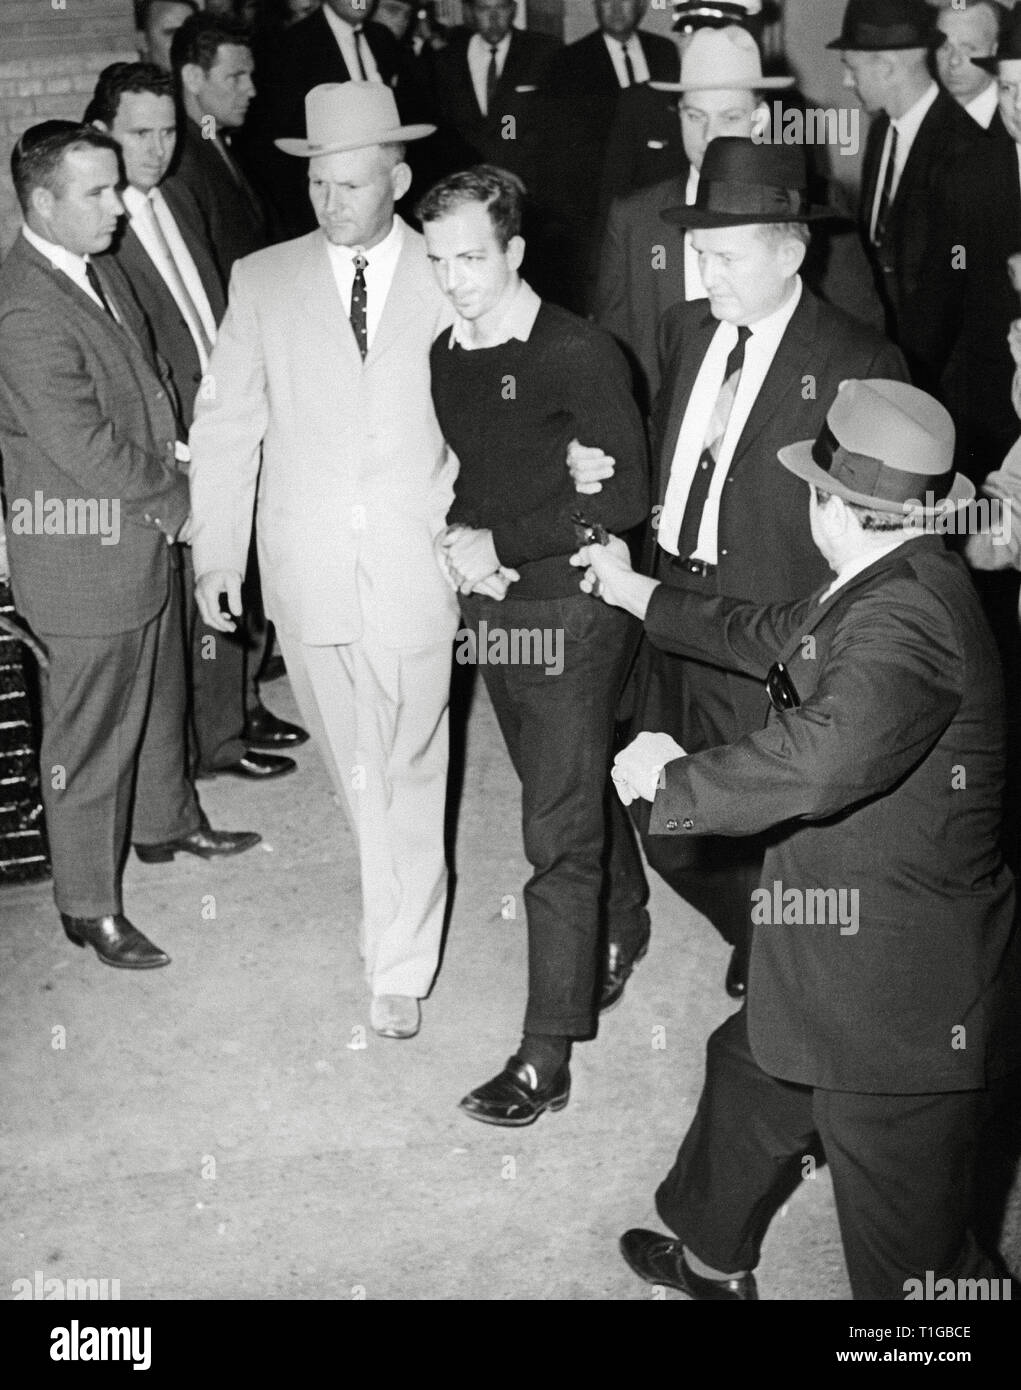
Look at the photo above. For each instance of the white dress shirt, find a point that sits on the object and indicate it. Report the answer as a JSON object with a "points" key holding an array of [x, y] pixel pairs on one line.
{"points": [[634, 51], [345, 35], [907, 127], [518, 321], [379, 273], [983, 107], [693, 286], [139, 205], [66, 261], [478, 65], [758, 358]]}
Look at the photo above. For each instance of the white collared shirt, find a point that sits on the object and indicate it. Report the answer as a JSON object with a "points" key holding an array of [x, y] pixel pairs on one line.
{"points": [[478, 65], [64, 260], [634, 51], [136, 203], [907, 127], [983, 107], [379, 273], [693, 286], [518, 321], [345, 35], [759, 353]]}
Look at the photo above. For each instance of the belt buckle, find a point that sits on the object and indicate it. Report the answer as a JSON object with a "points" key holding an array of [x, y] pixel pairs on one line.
{"points": [[699, 567]]}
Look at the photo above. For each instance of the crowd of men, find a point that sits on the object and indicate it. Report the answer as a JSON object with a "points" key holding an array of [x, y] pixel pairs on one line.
{"points": [[368, 327]]}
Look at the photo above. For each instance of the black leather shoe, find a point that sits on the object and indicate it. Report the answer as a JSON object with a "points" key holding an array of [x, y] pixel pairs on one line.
{"points": [[206, 842], [254, 767], [618, 969], [115, 941], [265, 730], [509, 1099], [660, 1260], [735, 983]]}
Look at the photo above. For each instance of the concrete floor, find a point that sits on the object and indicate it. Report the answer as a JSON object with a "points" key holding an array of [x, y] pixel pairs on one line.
{"points": [[231, 1128]]}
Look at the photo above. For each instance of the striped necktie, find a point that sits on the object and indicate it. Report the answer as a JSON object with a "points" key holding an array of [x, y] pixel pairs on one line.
{"points": [[691, 524], [886, 192]]}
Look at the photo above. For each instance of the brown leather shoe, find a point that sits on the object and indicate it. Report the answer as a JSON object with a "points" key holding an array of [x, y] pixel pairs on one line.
{"points": [[115, 941], [660, 1260], [206, 842]]}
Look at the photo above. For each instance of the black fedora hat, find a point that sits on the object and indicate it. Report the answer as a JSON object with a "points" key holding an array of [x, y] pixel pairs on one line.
{"points": [[744, 181], [1009, 46], [873, 26]]}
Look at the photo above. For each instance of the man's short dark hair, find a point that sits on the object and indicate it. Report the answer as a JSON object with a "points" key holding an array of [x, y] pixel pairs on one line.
{"points": [[37, 157], [143, 9], [201, 37], [500, 192], [119, 78]]}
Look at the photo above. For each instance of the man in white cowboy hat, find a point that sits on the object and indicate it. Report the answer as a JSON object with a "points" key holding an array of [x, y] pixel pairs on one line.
{"points": [[757, 360], [321, 367], [721, 93], [878, 997]]}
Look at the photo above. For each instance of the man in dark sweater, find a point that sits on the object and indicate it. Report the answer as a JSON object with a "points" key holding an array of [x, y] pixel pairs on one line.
{"points": [[514, 381]]}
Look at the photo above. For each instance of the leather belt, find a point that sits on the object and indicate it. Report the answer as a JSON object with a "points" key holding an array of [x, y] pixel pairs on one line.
{"points": [[690, 566]]}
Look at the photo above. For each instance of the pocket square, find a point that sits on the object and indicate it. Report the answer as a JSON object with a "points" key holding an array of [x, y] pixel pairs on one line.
{"points": [[526, 88], [656, 144]]}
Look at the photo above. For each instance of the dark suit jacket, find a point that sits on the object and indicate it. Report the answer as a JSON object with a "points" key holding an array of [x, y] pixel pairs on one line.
{"points": [[947, 137], [85, 414], [900, 689], [169, 329], [643, 146], [518, 95], [766, 550], [640, 272], [234, 217], [584, 94], [967, 301]]}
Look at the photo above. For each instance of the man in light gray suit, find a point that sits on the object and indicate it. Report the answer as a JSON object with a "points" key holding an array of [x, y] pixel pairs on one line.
{"points": [[321, 367]]}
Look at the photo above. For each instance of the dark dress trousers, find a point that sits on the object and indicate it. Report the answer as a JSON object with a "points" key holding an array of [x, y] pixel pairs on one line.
{"points": [[766, 553], [217, 659], [85, 413], [873, 1023]]}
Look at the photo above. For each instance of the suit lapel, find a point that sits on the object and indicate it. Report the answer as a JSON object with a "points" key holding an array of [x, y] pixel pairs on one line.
{"points": [[870, 172], [786, 372], [692, 353], [405, 303]]}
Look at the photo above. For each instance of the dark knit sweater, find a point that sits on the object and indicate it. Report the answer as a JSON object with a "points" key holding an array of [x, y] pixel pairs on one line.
{"points": [[509, 412]]}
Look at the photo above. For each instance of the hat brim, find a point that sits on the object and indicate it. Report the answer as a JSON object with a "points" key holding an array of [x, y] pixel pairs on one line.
{"points": [[797, 459], [725, 84], [703, 219], [991, 65], [843, 45], [303, 149]]}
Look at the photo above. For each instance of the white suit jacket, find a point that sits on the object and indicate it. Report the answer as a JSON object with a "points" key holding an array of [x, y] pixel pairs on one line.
{"points": [[353, 485]]}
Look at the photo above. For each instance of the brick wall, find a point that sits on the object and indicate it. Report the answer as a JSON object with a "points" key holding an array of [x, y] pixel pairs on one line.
{"points": [[50, 54]]}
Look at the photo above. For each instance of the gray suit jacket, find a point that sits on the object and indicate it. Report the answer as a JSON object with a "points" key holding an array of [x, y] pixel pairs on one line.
{"points": [[85, 415]]}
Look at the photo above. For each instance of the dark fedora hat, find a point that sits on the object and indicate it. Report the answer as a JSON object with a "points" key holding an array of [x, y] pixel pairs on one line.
{"points": [[872, 26], [1009, 46], [745, 181]]}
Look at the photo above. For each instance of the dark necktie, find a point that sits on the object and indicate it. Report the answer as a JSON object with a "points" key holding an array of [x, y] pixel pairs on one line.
{"points": [[97, 289], [628, 69], [358, 54], [359, 305], [886, 192], [687, 540], [492, 78]]}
